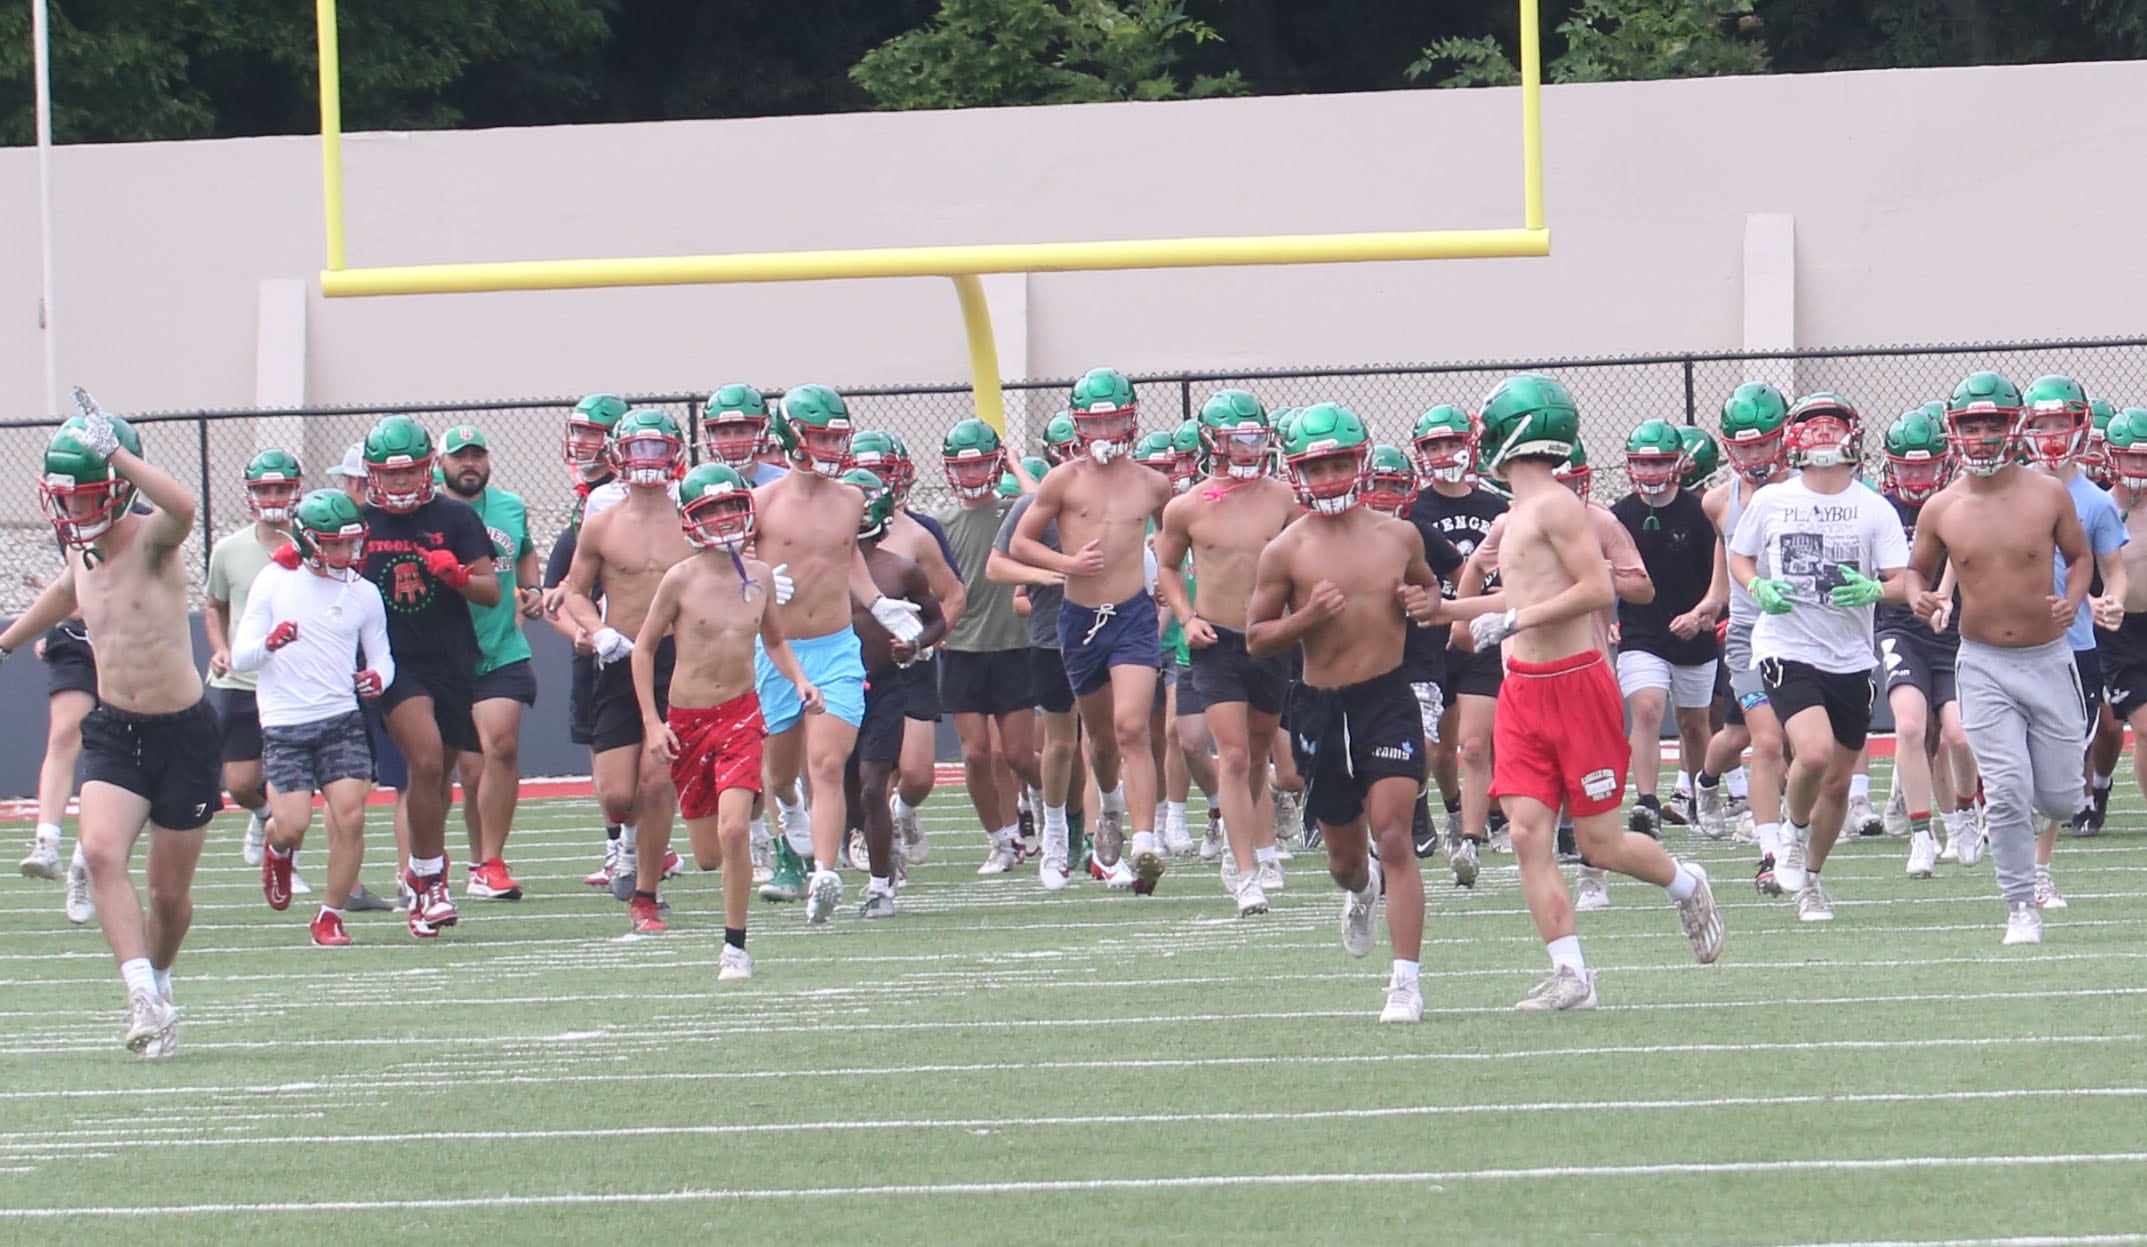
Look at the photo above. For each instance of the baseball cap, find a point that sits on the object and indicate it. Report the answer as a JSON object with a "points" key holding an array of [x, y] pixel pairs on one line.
{"points": [[353, 464], [462, 437]]}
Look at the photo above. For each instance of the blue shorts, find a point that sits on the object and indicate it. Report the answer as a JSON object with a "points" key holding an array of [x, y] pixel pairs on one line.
{"points": [[1127, 634], [835, 663]]}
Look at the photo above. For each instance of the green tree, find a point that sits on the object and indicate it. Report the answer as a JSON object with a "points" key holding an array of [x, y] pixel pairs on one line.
{"points": [[988, 53], [1614, 41]]}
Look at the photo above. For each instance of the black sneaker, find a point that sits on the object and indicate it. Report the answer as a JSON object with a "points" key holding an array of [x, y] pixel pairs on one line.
{"points": [[2089, 821], [1568, 851], [1646, 819], [1424, 831]]}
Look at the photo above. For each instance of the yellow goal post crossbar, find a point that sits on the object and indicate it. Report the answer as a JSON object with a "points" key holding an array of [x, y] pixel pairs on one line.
{"points": [[964, 264]]}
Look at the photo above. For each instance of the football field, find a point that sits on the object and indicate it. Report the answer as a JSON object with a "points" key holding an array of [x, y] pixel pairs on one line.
{"points": [[997, 1065]]}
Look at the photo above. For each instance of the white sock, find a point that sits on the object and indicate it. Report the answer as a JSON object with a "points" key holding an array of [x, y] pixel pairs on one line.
{"points": [[1682, 884], [2102, 784], [903, 809], [49, 833], [1021, 800], [330, 909], [885, 887], [139, 977], [163, 981], [1859, 786], [1162, 814], [1175, 810], [80, 862], [758, 830], [1740, 782], [279, 854], [1057, 835], [1009, 834], [1114, 801], [1770, 838], [1565, 954], [1684, 783], [1268, 854], [1405, 972], [424, 866]]}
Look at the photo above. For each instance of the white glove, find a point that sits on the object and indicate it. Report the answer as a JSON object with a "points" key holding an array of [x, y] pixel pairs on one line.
{"points": [[903, 620], [785, 587], [611, 645], [97, 435], [1489, 630]]}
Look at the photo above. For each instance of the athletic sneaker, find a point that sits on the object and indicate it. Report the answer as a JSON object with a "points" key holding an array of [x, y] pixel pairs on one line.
{"points": [[1895, 815], [276, 880], [489, 881], [823, 896], [1270, 875], [1645, 819], [328, 931], [909, 829], [1025, 819], [43, 861], [1149, 862], [642, 916], [1677, 810], [1765, 880], [1564, 990], [2023, 925], [1423, 831], [1502, 840], [299, 886], [1405, 1001], [1360, 915], [1289, 813], [2047, 895], [626, 870], [2098, 811], [877, 905], [1461, 856], [1110, 835], [1813, 904], [1969, 850], [763, 859], [1743, 830], [1052, 874], [1177, 839], [1118, 875], [431, 906], [2085, 822], [1862, 818], [1702, 921], [1591, 890], [148, 1015], [788, 881], [601, 876], [1251, 897], [734, 966], [853, 854], [1711, 811], [364, 902], [1789, 869], [1212, 842], [1002, 858], [1957, 827], [256, 837], [1922, 855], [165, 1043]]}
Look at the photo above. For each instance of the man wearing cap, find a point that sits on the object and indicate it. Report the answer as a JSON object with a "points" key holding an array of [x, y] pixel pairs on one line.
{"points": [[506, 681]]}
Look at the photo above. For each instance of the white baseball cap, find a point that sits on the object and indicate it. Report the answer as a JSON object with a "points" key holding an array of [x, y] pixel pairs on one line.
{"points": [[353, 464]]}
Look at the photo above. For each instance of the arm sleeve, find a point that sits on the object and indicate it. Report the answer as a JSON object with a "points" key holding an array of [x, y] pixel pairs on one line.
{"points": [[560, 559], [1004, 542], [249, 649], [373, 638]]}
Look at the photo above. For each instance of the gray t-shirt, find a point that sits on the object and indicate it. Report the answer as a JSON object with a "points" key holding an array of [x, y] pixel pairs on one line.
{"points": [[1044, 600]]}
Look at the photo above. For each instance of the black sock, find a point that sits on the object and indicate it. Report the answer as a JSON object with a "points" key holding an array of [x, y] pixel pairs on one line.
{"points": [[1452, 806], [734, 936], [1709, 781], [640, 895], [1651, 801], [611, 831]]}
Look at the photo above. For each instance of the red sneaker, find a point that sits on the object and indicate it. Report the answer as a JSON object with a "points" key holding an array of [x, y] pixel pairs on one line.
{"points": [[491, 882], [645, 917], [276, 879], [601, 876], [673, 864], [328, 931], [431, 907]]}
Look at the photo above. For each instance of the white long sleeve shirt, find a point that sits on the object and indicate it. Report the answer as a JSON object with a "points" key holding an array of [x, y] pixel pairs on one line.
{"points": [[310, 679]]}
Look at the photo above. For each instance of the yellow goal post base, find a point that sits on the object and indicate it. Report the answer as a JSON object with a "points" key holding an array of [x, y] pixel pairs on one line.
{"points": [[963, 264]]}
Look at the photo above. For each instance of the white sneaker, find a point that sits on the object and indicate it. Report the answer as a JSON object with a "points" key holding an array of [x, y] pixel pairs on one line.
{"points": [[148, 1016], [1591, 890], [1405, 1001], [2047, 895], [1118, 876], [1701, 919], [1289, 813], [1251, 898], [823, 894], [860, 856], [763, 858], [1922, 855], [1895, 816], [1177, 840], [1743, 830], [1566, 989], [1148, 860], [1711, 809], [43, 861], [1360, 914], [299, 887], [1956, 826], [81, 902], [1271, 876], [1212, 844], [1789, 866], [1968, 847], [909, 830], [1283, 853], [734, 966], [1863, 818], [2024, 925], [797, 829], [1461, 858], [1052, 874], [1110, 835], [1003, 855], [256, 836], [1812, 902]]}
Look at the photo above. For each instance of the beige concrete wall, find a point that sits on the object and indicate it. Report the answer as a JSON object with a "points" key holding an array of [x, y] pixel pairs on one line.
{"points": [[1927, 206]]}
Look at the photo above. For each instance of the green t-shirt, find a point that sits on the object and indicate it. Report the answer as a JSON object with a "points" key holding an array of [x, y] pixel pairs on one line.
{"points": [[499, 626], [988, 623], [234, 562]]}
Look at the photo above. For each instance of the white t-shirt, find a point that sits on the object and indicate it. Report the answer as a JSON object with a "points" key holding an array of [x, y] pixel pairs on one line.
{"points": [[1804, 539], [310, 679]]}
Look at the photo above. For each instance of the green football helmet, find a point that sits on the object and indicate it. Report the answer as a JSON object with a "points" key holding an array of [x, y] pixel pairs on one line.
{"points": [[2095, 455], [1389, 480], [817, 423], [83, 495], [1318, 434], [329, 531], [1753, 419], [1444, 441], [1703, 458], [1575, 472], [647, 448], [1010, 484], [1061, 442], [1529, 416], [2055, 418], [273, 484], [1154, 450], [1233, 431], [1992, 404], [885, 456], [879, 509], [1824, 432], [1105, 414], [1654, 459], [589, 430], [972, 455], [715, 508], [1919, 457], [2127, 445], [398, 465], [1189, 442], [734, 426]]}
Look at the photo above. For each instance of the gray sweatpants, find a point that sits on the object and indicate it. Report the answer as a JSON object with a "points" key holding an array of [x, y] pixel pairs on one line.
{"points": [[2027, 723]]}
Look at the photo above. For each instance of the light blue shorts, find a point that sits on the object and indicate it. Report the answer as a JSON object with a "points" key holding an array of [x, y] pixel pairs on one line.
{"points": [[835, 663]]}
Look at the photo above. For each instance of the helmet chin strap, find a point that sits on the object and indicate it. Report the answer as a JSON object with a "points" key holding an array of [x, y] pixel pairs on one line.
{"points": [[1104, 452]]}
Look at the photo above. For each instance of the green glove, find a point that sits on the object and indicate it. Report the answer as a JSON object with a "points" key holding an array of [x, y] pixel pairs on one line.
{"points": [[1856, 589], [1772, 596]]}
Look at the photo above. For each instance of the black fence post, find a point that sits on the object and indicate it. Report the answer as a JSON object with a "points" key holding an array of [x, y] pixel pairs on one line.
{"points": [[693, 431], [1185, 396], [207, 530], [1692, 410]]}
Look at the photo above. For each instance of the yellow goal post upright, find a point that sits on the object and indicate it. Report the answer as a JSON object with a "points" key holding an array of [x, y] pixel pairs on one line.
{"points": [[963, 264]]}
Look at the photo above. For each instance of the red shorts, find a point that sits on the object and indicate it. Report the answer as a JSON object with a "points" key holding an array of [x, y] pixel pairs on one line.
{"points": [[718, 749], [1559, 735]]}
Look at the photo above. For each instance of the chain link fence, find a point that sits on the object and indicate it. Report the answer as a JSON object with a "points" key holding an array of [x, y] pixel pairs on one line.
{"points": [[209, 450]]}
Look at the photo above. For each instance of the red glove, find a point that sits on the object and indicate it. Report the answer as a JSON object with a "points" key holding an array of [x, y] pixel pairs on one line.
{"points": [[446, 568], [367, 683], [281, 635], [286, 556], [1722, 629]]}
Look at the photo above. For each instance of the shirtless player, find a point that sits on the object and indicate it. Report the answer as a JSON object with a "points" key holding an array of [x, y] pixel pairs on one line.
{"points": [[1560, 732], [151, 751], [1103, 503], [2124, 649]]}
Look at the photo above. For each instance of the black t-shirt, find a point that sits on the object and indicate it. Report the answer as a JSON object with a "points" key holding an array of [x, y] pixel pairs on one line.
{"points": [[428, 623], [1899, 618], [1463, 521], [1679, 553], [1424, 649]]}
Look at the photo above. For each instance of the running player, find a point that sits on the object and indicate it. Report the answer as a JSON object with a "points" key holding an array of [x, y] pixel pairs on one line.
{"points": [[273, 484], [1343, 582], [734, 427], [151, 752], [2124, 648], [71, 693]]}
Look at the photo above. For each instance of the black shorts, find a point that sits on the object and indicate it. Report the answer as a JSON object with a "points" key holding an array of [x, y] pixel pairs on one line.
{"points": [[1794, 687], [1922, 662], [1190, 702], [879, 737], [239, 717], [1226, 672], [2123, 655], [174, 760], [389, 769], [450, 694], [994, 682], [1346, 739], [1472, 673], [70, 664], [517, 681], [307, 757], [1166, 680], [915, 689], [581, 690], [1048, 686], [1726, 697], [615, 710], [2088, 663]]}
